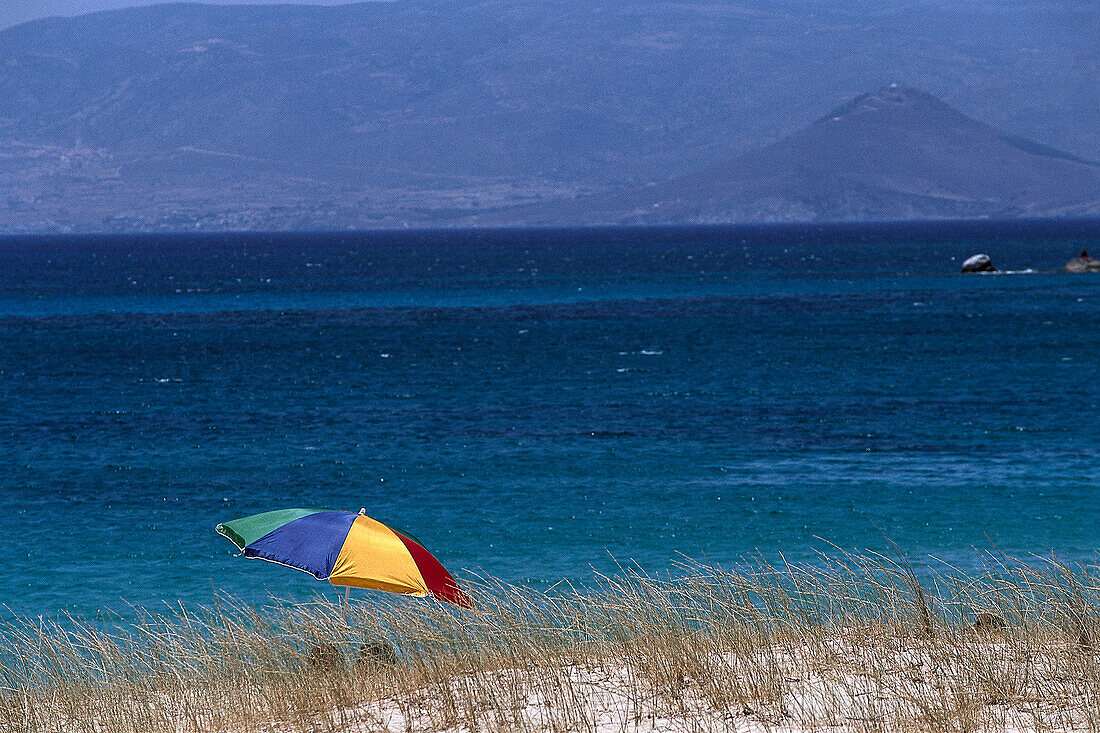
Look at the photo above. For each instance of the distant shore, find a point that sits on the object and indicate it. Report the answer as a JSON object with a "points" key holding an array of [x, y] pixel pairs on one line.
{"points": [[900, 230]]}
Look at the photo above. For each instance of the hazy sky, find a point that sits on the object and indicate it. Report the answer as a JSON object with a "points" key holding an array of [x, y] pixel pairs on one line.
{"points": [[19, 11]]}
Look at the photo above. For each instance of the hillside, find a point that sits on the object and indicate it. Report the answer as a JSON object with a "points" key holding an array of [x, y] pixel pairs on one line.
{"points": [[897, 153], [419, 111]]}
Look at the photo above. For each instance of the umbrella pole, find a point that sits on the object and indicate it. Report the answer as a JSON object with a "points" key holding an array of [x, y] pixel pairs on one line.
{"points": [[347, 595]]}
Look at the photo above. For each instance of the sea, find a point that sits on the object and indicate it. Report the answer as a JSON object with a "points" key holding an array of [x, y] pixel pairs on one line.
{"points": [[542, 406]]}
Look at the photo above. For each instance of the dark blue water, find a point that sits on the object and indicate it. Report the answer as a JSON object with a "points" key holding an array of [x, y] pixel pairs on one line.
{"points": [[532, 405]]}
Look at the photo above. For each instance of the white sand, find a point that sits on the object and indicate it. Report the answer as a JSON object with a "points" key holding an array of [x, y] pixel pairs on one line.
{"points": [[862, 688]]}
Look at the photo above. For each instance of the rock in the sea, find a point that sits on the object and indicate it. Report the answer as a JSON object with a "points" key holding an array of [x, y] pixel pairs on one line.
{"points": [[1084, 263], [978, 263]]}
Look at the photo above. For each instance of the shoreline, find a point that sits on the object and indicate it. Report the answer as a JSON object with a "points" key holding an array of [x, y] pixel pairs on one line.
{"points": [[944, 230]]}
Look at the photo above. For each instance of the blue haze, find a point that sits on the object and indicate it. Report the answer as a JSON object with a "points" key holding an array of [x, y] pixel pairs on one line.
{"points": [[533, 404]]}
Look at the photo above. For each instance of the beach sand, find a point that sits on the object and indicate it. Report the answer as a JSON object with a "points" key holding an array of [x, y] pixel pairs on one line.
{"points": [[975, 684], [859, 645]]}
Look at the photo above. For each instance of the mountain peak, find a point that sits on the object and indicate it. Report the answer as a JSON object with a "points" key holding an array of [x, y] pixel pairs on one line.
{"points": [[894, 153], [889, 99]]}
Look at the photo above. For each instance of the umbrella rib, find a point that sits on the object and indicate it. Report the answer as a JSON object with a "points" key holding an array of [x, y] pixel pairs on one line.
{"points": [[285, 565], [220, 529]]}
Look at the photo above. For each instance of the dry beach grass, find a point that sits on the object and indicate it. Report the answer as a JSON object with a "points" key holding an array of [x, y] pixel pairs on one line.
{"points": [[850, 643]]}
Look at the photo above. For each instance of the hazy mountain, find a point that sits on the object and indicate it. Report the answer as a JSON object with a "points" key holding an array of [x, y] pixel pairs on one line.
{"points": [[13, 12], [897, 153], [417, 111]]}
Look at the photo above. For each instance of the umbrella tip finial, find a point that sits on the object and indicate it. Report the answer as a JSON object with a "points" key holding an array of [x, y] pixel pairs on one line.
{"points": [[362, 511]]}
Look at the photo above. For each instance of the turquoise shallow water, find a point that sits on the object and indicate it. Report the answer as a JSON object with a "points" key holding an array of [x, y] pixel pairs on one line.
{"points": [[536, 405]]}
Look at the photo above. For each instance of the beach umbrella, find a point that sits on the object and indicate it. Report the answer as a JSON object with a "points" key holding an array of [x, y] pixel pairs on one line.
{"points": [[346, 549]]}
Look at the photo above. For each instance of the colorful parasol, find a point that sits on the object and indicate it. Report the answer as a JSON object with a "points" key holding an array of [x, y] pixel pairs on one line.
{"points": [[346, 549]]}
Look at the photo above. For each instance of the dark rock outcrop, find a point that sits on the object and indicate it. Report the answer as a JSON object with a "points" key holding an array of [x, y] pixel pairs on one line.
{"points": [[375, 654], [978, 263], [989, 623], [1084, 263], [325, 657]]}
